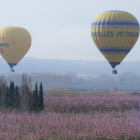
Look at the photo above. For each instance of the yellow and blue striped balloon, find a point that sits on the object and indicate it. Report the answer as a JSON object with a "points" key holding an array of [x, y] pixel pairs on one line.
{"points": [[14, 44], [115, 33]]}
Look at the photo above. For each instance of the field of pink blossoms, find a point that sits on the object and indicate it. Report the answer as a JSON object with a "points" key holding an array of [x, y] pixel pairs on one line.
{"points": [[81, 117]]}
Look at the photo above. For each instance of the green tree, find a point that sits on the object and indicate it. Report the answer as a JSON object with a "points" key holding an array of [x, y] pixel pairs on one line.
{"points": [[11, 95], [3, 87], [35, 96], [40, 98], [36, 91], [0, 97], [17, 100], [7, 97], [33, 103], [11, 86]]}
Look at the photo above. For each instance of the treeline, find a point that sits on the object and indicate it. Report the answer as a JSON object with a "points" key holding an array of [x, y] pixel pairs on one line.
{"points": [[127, 81], [21, 98], [50, 81]]}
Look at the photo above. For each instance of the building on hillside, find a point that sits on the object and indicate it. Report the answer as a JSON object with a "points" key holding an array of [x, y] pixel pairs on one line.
{"points": [[114, 89]]}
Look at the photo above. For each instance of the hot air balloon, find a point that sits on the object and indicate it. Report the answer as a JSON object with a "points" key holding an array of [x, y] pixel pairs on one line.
{"points": [[14, 44], [115, 33]]}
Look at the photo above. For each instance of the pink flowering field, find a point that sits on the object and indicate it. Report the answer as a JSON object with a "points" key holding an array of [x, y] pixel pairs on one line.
{"points": [[81, 117]]}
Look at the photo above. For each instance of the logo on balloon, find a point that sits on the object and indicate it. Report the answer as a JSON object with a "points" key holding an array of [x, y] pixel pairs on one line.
{"points": [[132, 43], [4, 45], [111, 34], [97, 42], [1, 50]]}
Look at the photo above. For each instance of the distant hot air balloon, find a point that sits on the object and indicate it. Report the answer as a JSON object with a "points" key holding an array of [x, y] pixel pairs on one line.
{"points": [[14, 44], [115, 33]]}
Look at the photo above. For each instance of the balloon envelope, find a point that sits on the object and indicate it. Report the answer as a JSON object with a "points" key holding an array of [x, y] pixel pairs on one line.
{"points": [[14, 44], [115, 33]]}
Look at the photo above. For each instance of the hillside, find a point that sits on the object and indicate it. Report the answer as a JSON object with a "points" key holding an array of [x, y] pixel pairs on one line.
{"points": [[81, 67]]}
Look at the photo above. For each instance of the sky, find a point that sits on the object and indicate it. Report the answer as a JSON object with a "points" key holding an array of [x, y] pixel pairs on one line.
{"points": [[60, 29]]}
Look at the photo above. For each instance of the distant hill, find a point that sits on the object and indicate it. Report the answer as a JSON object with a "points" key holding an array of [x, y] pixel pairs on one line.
{"points": [[81, 67]]}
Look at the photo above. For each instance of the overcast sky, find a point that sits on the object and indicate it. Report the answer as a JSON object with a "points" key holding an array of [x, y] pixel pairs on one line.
{"points": [[60, 29]]}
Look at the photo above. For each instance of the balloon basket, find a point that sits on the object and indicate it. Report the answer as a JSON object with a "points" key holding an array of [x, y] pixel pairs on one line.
{"points": [[114, 72], [12, 70]]}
